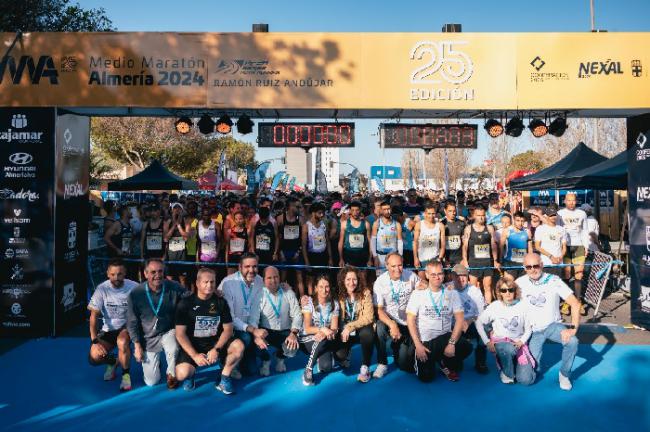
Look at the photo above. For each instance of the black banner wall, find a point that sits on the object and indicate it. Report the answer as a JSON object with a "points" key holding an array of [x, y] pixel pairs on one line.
{"points": [[638, 138], [71, 220], [26, 233]]}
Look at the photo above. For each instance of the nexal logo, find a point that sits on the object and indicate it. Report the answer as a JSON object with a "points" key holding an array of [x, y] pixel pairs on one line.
{"points": [[35, 70]]}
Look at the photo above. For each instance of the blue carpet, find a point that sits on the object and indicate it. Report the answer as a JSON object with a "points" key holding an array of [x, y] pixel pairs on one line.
{"points": [[48, 385]]}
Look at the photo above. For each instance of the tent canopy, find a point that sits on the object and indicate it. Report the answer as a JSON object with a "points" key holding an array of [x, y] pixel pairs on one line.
{"points": [[608, 175], [581, 157], [153, 177]]}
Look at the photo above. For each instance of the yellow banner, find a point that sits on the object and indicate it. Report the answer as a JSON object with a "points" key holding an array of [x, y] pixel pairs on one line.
{"points": [[427, 71]]}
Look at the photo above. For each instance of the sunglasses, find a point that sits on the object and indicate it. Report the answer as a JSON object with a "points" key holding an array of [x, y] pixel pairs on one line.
{"points": [[507, 290], [534, 266]]}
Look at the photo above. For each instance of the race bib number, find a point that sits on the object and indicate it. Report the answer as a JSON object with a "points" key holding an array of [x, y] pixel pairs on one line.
{"points": [[126, 244], [518, 255], [176, 244], [154, 242], [319, 243], [453, 242], [263, 242], [386, 241], [206, 326], [356, 241], [291, 232], [482, 251], [237, 244], [209, 248], [428, 242]]}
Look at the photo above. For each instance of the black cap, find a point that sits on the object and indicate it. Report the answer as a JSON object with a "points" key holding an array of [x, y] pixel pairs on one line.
{"points": [[551, 210]]}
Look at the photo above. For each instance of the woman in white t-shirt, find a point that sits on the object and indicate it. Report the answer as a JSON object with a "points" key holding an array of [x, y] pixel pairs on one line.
{"points": [[320, 327], [510, 331]]}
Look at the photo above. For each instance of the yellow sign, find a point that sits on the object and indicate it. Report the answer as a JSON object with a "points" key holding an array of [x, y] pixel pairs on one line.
{"points": [[427, 71]]}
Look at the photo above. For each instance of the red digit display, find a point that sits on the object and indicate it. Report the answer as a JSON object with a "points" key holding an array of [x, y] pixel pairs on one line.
{"points": [[428, 136], [305, 135]]}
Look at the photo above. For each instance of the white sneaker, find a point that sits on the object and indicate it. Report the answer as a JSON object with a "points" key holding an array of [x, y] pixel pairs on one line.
{"points": [[265, 370], [380, 371], [506, 379], [280, 366], [235, 374], [109, 373], [565, 383]]}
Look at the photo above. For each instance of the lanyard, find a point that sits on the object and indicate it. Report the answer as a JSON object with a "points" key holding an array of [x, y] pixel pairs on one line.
{"points": [[243, 287], [511, 304], [160, 300], [351, 310], [437, 306], [327, 317], [395, 295], [539, 281], [277, 308]]}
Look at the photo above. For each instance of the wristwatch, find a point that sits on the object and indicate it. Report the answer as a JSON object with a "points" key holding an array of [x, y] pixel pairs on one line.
{"points": [[452, 341], [94, 341]]}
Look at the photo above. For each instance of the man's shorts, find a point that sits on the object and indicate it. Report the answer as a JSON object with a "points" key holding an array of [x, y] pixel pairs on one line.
{"points": [[355, 258], [110, 336], [486, 271], [575, 255], [184, 357]]}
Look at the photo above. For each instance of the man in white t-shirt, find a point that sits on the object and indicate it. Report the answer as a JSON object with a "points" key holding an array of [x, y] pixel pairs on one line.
{"points": [[473, 303], [574, 221], [593, 229], [110, 302], [391, 293], [430, 314], [542, 292], [550, 241]]}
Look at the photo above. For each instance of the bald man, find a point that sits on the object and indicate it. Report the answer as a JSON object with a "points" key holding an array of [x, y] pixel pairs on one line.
{"points": [[279, 317], [541, 292]]}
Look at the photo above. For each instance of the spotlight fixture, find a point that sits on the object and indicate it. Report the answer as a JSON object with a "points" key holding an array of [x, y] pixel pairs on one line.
{"points": [[538, 128], [514, 127], [494, 128], [183, 125], [206, 125], [245, 124], [558, 127], [224, 124]]}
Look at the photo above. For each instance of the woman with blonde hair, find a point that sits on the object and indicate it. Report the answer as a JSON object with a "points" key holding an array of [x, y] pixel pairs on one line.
{"points": [[510, 331], [356, 319]]}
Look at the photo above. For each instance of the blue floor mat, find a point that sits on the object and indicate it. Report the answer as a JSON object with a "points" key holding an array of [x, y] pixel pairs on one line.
{"points": [[47, 384]]}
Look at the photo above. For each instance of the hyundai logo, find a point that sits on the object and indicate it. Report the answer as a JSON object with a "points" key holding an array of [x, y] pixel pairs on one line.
{"points": [[20, 158]]}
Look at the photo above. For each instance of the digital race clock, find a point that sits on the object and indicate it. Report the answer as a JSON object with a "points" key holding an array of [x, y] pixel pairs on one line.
{"points": [[305, 134], [428, 136]]}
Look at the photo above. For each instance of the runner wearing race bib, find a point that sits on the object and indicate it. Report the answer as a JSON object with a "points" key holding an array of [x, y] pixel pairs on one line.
{"points": [[236, 241], [428, 239], [152, 245], [454, 228], [264, 238], [515, 244], [386, 236], [208, 232], [290, 242], [353, 243], [480, 250], [315, 247], [119, 236]]}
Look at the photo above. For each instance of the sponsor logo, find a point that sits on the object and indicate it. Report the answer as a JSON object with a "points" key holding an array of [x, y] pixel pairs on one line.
{"points": [[538, 63], [608, 67], [43, 68], [21, 158], [16, 239], [547, 75], [17, 220], [16, 309], [642, 193], [245, 67], [16, 253], [69, 296], [17, 273], [72, 235], [10, 194], [641, 140], [71, 149], [15, 292], [18, 212], [73, 190], [644, 298], [642, 153], [647, 238], [68, 64], [636, 68], [18, 121]]}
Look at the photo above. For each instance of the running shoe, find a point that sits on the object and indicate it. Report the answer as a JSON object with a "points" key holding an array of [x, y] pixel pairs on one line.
{"points": [[364, 374], [308, 377], [565, 383], [380, 371], [506, 379], [188, 384], [450, 374], [265, 370], [109, 374], [172, 382], [235, 374], [225, 386], [125, 385], [280, 366]]}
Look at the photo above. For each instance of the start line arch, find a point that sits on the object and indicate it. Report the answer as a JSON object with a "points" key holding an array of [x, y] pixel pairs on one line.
{"points": [[51, 83]]}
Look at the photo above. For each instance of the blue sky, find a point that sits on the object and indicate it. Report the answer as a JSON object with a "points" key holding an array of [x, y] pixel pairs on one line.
{"points": [[376, 16]]}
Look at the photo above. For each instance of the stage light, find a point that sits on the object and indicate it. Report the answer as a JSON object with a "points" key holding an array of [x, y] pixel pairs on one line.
{"points": [[183, 125], [245, 124], [206, 125], [538, 128], [558, 127], [514, 127], [494, 128], [224, 124]]}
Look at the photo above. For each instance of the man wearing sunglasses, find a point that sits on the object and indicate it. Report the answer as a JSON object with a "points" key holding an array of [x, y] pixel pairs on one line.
{"points": [[541, 292]]}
